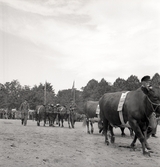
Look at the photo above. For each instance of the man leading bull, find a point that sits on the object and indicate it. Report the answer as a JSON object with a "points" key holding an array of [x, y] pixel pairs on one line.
{"points": [[146, 83]]}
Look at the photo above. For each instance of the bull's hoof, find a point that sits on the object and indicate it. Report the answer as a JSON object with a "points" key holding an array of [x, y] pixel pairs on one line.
{"points": [[133, 146], [146, 153], [92, 131], [88, 132], [112, 139], [107, 142], [147, 146]]}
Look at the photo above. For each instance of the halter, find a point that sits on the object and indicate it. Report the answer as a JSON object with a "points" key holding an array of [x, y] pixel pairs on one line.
{"points": [[152, 104]]}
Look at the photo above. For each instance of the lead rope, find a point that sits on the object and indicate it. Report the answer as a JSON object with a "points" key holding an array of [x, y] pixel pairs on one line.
{"points": [[157, 105]]}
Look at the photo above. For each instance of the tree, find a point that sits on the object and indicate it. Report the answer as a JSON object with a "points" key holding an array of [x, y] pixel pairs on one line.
{"points": [[132, 83], [90, 90], [102, 88], [64, 97], [12, 90], [37, 95], [156, 79], [119, 84]]}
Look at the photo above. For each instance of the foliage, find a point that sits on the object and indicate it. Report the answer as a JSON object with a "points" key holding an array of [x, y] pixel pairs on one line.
{"points": [[119, 84], [132, 83], [12, 94], [156, 79]]}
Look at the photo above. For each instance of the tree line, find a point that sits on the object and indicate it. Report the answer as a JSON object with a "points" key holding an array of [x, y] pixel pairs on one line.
{"points": [[13, 93]]}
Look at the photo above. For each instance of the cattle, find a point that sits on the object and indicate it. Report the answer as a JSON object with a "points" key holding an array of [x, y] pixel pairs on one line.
{"points": [[90, 108], [45, 112], [64, 114], [50, 114], [136, 111], [40, 114]]}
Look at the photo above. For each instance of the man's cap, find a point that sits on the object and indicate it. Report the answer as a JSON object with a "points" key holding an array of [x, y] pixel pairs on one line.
{"points": [[146, 78]]}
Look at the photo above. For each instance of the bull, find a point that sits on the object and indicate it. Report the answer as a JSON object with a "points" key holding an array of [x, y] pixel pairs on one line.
{"points": [[64, 114], [44, 113], [136, 112], [90, 108], [40, 114]]}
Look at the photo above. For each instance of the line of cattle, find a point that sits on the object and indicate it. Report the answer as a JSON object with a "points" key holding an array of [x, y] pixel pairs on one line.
{"points": [[57, 114], [136, 111]]}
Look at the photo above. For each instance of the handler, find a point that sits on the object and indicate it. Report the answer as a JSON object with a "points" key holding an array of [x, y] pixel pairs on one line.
{"points": [[24, 108], [146, 83]]}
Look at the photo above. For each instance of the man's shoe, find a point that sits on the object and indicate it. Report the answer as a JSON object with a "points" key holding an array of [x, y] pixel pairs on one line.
{"points": [[153, 135]]}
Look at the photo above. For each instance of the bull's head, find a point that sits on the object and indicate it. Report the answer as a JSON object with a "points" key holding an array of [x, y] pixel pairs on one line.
{"points": [[153, 95]]}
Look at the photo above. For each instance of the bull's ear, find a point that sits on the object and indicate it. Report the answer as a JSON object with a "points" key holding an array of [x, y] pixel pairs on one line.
{"points": [[145, 90]]}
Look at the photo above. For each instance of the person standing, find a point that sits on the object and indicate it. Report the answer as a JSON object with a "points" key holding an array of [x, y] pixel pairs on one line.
{"points": [[24, 108], [154, 131], [146, 83]]}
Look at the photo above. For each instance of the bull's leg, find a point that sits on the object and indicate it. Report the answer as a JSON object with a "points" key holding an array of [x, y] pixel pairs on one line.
{"points": [[140, 136], [22, 121], [45, 118], [105, 130], [87, 121], [133, 144], [44, 122], [72, 121], [100, 126], [112, 134], [38, 123], [59, 120], [54, 118], [62, 122], [146, 143], [69, 120], [92, 129], [131, 132], [122, 130], [72, 124]]}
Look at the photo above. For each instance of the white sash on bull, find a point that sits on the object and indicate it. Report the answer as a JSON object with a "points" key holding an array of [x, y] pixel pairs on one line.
{"points": [[120, 107], [98, 110]]}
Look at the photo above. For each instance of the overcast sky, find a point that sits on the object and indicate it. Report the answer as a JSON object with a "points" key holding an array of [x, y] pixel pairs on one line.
{"points": [[60, 41]]}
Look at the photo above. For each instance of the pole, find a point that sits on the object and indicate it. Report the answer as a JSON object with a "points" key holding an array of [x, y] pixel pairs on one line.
{"points": [[45, 94], [73, 91]]}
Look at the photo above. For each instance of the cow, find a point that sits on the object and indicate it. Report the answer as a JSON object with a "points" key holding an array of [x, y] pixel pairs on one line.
{"points": [[45, 113], [136, 112], [40, 114], [63, 114], [91, 116], [50, 114], [90, 108]]}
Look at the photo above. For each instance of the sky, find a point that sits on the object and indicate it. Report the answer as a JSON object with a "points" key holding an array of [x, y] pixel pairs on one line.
{"points": [[62, 41]]}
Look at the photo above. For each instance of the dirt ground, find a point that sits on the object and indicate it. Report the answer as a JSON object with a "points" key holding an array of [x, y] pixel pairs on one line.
{"points": [[33, 146]]}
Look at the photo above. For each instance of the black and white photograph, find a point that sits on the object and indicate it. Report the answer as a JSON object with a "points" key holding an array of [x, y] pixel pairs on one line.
{"points": [[79, 83]]}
